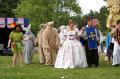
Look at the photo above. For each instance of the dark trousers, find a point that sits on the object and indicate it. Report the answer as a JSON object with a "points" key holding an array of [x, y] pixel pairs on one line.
{"points": [[110, 50], [91, 55]]}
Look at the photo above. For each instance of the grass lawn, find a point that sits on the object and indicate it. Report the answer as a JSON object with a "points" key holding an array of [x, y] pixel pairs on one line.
{"points": [[39, 71]]}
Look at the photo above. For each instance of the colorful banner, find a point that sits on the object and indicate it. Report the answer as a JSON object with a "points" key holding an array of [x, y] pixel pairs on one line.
{"points": [[20, 21], [2, 22], [10, 22]]}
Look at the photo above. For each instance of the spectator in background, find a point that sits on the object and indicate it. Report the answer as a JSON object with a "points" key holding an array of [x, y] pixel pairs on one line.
{"points": [[109, 45]]}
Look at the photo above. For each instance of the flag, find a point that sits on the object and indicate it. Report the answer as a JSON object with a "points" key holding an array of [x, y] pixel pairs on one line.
{"points": [[10, 22], [13, 24], [2, 22]]}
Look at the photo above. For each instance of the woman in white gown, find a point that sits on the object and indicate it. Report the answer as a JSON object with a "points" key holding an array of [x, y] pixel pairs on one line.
{"points": [[71, 54]]}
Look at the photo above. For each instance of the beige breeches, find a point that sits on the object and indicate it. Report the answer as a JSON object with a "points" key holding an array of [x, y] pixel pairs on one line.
{"points": [[41, 55], [50, 57]]}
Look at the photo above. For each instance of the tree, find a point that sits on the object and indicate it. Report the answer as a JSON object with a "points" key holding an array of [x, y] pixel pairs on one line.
{"points": [[41, 11], [7, 7], [103, 18], [92, 14]]}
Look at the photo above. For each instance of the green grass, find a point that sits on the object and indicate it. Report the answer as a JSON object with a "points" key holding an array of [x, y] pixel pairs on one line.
{"points": [[39, 71]]}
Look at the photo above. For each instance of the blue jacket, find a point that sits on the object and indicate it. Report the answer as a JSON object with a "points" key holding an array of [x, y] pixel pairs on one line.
{"points": [[108, 40]]}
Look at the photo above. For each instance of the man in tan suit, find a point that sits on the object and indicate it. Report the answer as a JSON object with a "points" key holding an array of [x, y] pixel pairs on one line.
{"points": [[39, 41], [50, 43]]}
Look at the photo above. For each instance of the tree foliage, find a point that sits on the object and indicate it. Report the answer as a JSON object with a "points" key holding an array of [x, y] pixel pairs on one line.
{"points": [[60, 11], [41, 11], [103, 18], [7, 7]]}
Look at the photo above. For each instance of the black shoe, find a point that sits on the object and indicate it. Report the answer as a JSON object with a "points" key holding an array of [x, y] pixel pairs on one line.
{"points": [[115, 65], [89, 65], [96, 65], [52, 65]]}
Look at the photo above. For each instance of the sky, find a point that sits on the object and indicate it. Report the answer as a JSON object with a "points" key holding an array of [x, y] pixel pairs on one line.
{"points": [[88, 5]]}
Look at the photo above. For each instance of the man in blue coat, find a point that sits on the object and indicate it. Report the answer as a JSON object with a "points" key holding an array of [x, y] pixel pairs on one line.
{"points": [[91, 38]]}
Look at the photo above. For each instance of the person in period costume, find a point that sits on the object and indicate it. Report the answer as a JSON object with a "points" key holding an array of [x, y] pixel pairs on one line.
{"points": [[50, 43], [116, 50], [99, 35], [71, 54], [39, 40], [91, 43], [29, 45], [109, 46], [16, 38]]}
